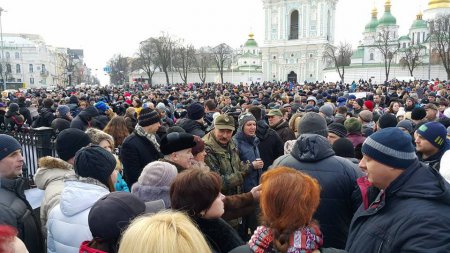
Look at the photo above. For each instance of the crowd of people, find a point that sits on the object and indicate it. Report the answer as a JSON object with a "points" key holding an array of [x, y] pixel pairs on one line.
{"points": [[264, 167]]}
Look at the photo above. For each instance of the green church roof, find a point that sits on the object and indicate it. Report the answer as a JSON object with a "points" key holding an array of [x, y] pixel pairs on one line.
{"points": [[359, 53], [251, 42], [387, 19], [372, 25], [404, 37], [419, 23]]}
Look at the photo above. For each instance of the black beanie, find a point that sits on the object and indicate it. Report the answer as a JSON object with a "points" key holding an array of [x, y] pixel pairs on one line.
{"points": [[418, 113], [69, 141], [148, 117], [343, 147], [94, 162], [387, 120], [195, 111]]}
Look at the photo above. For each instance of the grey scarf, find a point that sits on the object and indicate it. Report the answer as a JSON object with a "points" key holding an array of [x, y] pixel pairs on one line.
{"points": [[151, 137]]}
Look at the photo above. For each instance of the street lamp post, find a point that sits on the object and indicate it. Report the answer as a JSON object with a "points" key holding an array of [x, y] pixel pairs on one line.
{"points": [[3, 56]]}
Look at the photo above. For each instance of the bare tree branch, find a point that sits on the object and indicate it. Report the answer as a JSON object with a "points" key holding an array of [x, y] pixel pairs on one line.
{"points": [[440, 39], [222, 53], [412, 57], [388, 46], [339, 56]]}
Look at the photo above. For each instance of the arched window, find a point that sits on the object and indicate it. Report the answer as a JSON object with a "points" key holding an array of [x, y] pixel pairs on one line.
{"points": [[17, 68], [8, 68], [17, 55], [404, 45], [7, 55], [371, 57], [293, 33]]}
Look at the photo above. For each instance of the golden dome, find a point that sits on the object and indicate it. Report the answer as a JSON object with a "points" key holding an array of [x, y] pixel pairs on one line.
{"points": [[436, 4], [374, 12]]}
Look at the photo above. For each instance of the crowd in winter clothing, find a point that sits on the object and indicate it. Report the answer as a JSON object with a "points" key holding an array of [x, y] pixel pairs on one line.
{"points": [[266, 167]]}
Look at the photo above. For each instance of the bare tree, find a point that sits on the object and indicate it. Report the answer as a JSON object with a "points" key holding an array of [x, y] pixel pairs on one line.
{"points": [[203, 60], [165, 45], [120, 68], [412, 57], [339, 56], [184, 59], [388, 47], [440, 39], [146, 59], [222, 53], [5, 72]]}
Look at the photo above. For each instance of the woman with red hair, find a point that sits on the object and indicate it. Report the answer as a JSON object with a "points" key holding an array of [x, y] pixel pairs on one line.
{"points": [[286, 214], [9, 243]]}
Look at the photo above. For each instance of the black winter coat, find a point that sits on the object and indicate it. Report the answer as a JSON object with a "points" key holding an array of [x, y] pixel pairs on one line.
{"points": [[45, 118], [137, 151], [60, 124], [283, 130], [270, 145], [25, 112], [17, 212], [413, 215], [221, 237], [192, 127], [339, 197]]}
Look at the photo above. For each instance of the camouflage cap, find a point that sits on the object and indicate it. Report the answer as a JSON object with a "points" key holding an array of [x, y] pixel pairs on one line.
{"points": [[224, 121], [275, 112]]}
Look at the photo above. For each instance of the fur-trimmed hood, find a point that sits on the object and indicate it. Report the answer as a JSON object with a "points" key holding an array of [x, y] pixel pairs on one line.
{"points": [[51, 169]]}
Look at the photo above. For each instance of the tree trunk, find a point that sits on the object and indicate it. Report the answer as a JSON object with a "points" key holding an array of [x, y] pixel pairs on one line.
{"points": [[221, 75], [167, 76]]}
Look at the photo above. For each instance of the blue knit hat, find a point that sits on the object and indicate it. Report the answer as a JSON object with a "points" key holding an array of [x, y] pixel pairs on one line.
{"points": [[390, 146], [434, 132], [8, 145], [101, 106]]}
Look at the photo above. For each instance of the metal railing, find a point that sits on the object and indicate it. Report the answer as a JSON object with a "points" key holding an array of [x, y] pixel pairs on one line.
{"points": [[36, 143]]}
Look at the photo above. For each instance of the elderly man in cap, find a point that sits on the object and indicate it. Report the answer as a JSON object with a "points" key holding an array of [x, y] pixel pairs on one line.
{"points": [[177, 149], [412, 210], [432, 112], [222, 155], [277, 123], [431, 143], [142, 146], [14, 208]]}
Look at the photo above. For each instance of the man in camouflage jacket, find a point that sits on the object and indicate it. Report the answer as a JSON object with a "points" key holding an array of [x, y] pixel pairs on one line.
{"points": [[223, 157]]}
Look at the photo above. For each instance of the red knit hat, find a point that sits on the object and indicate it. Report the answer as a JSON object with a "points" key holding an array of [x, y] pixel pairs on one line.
{"points": [[369, 105]]}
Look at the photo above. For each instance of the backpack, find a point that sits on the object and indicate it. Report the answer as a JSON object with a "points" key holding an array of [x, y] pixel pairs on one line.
{"points": [[19, 121]]}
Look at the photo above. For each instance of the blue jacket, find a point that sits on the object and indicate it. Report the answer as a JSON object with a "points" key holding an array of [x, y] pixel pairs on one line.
{"points": [[121, 185], [413, 215], [248, 152], [339, 197]]}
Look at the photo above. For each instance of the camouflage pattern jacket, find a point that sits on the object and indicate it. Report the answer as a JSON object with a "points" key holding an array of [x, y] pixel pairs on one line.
{"points": [[227, 163]]}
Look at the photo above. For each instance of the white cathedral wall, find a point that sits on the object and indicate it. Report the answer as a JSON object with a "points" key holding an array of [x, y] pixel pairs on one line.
{"points": [[377, 74]]}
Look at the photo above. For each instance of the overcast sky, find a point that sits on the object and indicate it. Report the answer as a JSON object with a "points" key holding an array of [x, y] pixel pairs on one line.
{"points": [[104, 28]]}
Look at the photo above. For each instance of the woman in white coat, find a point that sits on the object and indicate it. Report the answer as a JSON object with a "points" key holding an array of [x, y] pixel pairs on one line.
{"points": [[68, 221]]}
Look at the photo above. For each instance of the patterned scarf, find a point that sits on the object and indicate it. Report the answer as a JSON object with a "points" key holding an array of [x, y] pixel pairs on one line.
{"points": [[304, 240], [151, 137]]}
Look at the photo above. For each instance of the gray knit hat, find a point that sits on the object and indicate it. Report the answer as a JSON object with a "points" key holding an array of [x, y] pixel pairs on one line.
{"points": [[313, 123], [154, 182], [327, 110], [244, 118]]}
